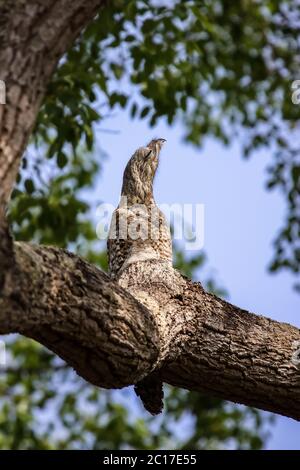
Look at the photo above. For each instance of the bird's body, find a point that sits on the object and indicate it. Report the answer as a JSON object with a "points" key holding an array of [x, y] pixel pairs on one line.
{"points": [[138, 230]]}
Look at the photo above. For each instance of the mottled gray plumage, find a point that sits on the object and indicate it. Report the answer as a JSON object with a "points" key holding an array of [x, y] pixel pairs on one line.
{"points": [[138, 229], [149, 239]]}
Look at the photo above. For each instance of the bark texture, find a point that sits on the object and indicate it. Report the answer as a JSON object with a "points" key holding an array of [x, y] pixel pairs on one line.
{"points": [[78, 312], [212, 346], [151, 321]]}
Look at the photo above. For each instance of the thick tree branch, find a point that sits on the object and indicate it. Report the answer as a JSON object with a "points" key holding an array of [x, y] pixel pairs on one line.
{"points": [[212, 346], [193, 339], [78, 312]]}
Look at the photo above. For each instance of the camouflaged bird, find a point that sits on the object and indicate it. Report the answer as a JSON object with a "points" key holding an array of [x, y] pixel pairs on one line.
{"points": [[139, 232]]}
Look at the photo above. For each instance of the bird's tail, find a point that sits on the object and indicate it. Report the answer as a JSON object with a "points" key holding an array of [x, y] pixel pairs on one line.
{"points": [[150, 391]]}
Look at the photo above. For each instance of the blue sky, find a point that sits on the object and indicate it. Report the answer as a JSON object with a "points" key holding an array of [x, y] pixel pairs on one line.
{"points": [[241, 219]]}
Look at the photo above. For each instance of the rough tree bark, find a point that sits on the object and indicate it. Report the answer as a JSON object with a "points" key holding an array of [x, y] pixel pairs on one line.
{"points": [[152, 319]]}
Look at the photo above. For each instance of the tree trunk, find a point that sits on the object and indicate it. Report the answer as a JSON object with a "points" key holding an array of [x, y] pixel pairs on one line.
{"points": [[33, 36]]}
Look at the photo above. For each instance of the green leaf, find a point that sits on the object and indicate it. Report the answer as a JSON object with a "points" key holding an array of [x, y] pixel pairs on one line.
{"points": [[62, 159], [145, 111], [29, 185]]}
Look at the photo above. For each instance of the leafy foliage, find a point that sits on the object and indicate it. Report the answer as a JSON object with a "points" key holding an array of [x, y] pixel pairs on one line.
{"points": [[49, 407]]}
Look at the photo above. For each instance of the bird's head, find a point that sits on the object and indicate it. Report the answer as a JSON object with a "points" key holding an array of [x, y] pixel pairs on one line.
{"points": [[139, 172], [156, 145]]}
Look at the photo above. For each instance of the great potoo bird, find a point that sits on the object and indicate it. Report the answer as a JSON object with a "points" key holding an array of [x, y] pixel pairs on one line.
{"points": [[139, 232]]}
